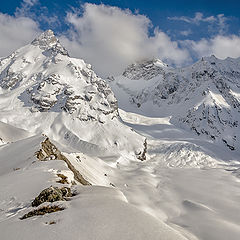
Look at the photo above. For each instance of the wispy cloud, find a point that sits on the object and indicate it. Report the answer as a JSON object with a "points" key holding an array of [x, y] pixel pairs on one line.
{"points": [[222, 23], [36, 11], [25, 7], [197, 19], [186, 32], [216, 23], [29, 2]]}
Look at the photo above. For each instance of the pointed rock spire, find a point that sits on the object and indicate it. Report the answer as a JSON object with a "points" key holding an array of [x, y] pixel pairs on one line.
{"points": [[48, 41]]}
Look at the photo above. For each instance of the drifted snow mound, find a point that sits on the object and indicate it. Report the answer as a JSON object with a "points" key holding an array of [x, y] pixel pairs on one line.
{"points": [[203, 98], [185, 155], [43, 90]]}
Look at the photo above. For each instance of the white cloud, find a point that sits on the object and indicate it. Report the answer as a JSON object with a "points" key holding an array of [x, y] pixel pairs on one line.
{"points": [[186, 32], [15, 32], [111, 38], [25, 7], [216, 23], [196, 19], [168, 50], [220, 46], [30, 2]]}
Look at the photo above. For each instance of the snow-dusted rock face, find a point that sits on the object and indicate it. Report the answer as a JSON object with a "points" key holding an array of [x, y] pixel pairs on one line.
{"points": [[48, 42], [44, 90], [204, 97], [55, 82], [146, 69]]}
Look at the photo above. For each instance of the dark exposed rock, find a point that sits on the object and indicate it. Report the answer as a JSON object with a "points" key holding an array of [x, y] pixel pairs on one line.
{"points": [[52, 194], [63, 179], [50, 152], [147, 69], [42, 211], [229, 146], [142, 155]]}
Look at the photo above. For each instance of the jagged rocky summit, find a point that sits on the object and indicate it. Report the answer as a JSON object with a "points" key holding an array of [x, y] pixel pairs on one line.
{"points": [[43, 90], [56, 82]]}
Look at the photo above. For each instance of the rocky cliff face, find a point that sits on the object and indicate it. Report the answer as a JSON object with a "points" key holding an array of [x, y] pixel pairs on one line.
{"points": [[146, 69]]}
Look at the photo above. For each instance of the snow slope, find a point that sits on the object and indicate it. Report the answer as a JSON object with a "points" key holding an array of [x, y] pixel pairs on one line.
{"points": [[9, 133], [190, 119], [45, 92], [93, 213], [147, 200], [187, 182]]}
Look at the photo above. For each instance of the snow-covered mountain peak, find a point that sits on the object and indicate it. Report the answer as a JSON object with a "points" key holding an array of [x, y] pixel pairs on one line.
{"points": [[146, 69], [48, 41], [211, 58], [212, 63], [40, 81], [49, 80]]}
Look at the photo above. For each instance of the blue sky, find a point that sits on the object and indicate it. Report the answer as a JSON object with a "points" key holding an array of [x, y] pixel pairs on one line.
{"points": [[178, 32], [159, 12]]}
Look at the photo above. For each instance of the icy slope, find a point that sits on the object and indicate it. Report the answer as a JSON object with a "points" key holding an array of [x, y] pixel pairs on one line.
{"points": [[43, 90], [203, 98]]}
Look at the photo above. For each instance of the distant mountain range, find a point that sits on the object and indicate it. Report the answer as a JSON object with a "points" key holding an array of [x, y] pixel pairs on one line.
{"points": [[203, 98]]}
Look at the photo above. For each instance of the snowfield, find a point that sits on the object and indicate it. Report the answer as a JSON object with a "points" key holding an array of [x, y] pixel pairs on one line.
{"points": [[190, 184], [156, 156], [96, 212]]}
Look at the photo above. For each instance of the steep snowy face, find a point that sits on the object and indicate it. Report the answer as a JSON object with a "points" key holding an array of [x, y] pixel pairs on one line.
{"points": [[42, 89], [215, 111], [204, 97], [52, 81]]}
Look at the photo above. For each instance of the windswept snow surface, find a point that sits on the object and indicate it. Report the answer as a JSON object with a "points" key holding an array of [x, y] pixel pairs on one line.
{"points": [[45, 92], [9, 133], [95, 212], [183, 194], [188, 183]]}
